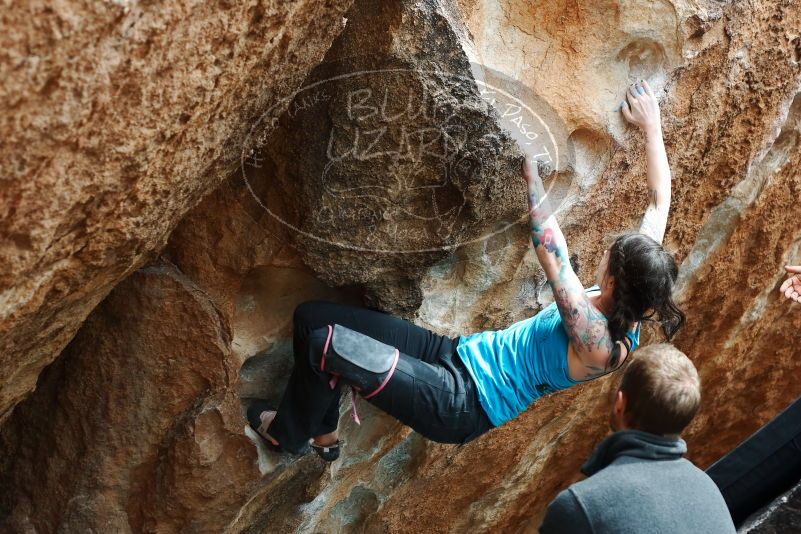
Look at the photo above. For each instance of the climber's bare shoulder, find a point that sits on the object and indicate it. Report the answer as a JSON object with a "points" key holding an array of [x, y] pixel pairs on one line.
{"points": [[586, 327], [581, 369], [590, 366]]}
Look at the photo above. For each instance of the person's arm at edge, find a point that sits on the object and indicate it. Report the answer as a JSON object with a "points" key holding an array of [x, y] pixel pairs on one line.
{"points": [[791, 287]]}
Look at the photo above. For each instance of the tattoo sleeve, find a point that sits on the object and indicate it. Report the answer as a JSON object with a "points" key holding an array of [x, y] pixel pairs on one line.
{"points": [[585, 326]]}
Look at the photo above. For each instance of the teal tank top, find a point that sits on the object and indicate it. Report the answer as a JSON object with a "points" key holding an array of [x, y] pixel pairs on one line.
{"points": [[514, 366]]}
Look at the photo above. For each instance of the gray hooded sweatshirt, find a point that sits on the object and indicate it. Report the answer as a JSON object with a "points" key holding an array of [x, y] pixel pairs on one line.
{"points": [[639, 483]]}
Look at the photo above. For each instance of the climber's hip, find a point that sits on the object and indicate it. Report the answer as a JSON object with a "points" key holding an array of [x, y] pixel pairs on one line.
{"points": [[437, 399]]}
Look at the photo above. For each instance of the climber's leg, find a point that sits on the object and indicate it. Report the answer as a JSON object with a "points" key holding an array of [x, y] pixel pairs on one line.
{"points": [[438, 400], [407, 337], [310, 407], [326, 433], [305, 408]]}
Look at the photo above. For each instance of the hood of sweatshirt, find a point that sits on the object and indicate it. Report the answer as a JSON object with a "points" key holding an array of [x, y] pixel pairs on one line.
{"points": [[635, 444]]}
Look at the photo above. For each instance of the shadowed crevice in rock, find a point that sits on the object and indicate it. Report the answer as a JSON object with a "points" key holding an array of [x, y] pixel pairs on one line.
{"points": [[135, 419]]}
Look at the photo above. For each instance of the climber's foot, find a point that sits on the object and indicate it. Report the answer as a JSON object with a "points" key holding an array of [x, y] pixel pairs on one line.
{"points": [[326, 446], [325, 440], [267, 418], [260, 415]]}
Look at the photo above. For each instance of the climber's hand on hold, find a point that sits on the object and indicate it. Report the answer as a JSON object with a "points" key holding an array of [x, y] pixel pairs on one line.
{"points": [[528, 170], [535, 170], [641, 108], [791, 288]]}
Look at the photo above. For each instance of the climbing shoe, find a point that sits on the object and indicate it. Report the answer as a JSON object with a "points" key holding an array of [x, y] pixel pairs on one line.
{"points": [[329, 453], [254, 420]]}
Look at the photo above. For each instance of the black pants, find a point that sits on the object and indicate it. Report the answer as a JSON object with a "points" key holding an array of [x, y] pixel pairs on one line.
{"points": [[430, 391]]}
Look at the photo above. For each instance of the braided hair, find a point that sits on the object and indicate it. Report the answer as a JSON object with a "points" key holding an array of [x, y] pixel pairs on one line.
{"points": [[644, 274]]}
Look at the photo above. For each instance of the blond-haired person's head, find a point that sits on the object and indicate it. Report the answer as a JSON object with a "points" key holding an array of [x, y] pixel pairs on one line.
{"points": [[659, 392]]}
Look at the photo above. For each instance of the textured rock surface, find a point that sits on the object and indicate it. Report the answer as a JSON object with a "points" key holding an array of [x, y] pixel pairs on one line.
{"points": [[397, 150], [170, 338], [781, 515], [162, 429], [117, 118]]}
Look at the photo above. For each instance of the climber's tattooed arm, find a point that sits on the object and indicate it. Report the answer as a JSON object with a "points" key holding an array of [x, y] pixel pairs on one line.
{"points": [[585, 326], [546, 236]]}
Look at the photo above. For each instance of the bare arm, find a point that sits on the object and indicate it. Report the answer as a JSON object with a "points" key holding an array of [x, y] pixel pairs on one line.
{"points": [[642, 109], [585, 326]]}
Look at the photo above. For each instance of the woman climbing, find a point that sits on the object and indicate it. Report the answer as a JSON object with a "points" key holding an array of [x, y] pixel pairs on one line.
{"points": [[453, 390]]}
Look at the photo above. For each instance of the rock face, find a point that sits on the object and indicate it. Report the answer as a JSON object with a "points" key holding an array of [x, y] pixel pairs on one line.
{"points": [[389, 153], [164, 435], [781, 515], [391, 174], [117, 119]]}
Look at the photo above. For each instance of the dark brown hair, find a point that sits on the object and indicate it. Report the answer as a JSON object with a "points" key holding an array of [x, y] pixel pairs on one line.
{"points": [[645, 274], [662, 390]]}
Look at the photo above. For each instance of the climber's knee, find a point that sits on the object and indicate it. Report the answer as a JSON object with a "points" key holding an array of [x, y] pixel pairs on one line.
{"points": [[313, 346], [354, 358], [304, 313]]}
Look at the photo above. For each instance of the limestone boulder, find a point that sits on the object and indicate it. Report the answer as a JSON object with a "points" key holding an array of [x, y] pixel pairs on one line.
{"points": [[193, 337], [137, 424], [389, 156], [117, 118]]}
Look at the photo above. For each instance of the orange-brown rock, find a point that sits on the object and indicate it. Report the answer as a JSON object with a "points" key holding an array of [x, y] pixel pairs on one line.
{"points": [[159, 356], [117, 118], [152, 446]]}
